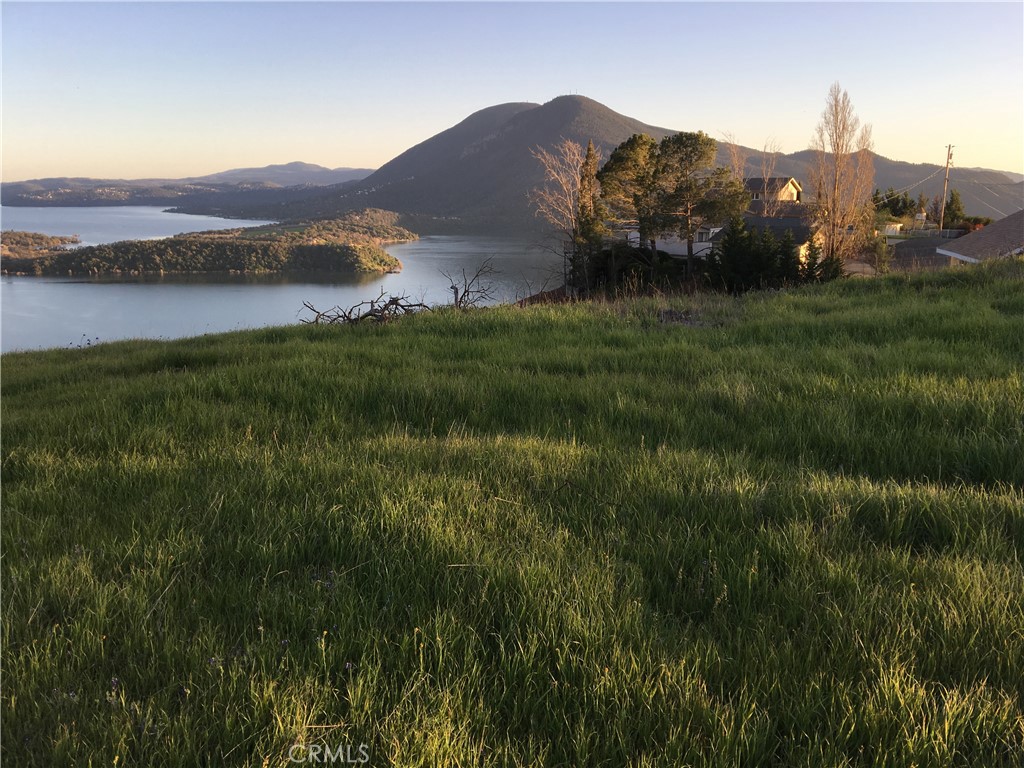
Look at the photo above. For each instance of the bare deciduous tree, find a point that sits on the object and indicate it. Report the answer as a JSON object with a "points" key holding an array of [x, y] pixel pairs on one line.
{"points": [[472, 290], [737, 156], [769, 157], [842, 175], [558, 201], [570, 202]]}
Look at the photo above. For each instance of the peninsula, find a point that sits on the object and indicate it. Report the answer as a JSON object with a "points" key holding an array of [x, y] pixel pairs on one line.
{"points": [[352, 244]]}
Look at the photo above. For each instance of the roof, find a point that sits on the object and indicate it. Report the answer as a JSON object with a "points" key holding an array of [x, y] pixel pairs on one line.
{"points": [[771, 184], [916, 247], [778, 226], [781, 208], [1000, 238]]}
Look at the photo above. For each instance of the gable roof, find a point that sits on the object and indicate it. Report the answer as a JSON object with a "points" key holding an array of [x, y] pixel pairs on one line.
{"points": [[781, 208], [771, 184], [1000, 238], [796, 226]]}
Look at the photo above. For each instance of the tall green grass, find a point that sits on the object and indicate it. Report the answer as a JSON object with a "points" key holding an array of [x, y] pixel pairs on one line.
{"points": [[554, 536]]}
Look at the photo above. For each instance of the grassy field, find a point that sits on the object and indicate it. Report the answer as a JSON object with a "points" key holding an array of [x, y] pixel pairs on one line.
{"points": [[787, 532]]}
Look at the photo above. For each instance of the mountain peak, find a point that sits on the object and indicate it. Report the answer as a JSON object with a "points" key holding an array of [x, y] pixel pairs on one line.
{"points": [[483, 167]]}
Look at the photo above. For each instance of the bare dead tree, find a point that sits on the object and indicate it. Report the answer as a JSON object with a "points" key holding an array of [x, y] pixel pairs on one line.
{"points": [[737, 156], [842, 174], [558, 201], [769, 157], [570, 200], [472, 290], [382, 309]]}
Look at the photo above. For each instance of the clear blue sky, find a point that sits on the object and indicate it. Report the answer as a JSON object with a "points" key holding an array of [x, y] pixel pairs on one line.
{"points": [[134, 90]]}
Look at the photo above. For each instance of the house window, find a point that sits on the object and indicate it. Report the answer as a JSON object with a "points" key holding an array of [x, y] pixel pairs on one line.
{"points": [[757, 195], [702, 237]]}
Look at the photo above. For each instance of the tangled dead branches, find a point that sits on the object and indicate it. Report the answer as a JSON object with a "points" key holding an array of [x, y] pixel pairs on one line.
{"points": [[378, 310], [467, 292]]}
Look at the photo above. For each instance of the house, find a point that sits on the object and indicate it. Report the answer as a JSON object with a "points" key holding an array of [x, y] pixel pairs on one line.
{"points": [[919, 254], [777, 189], [996, 241], [674, 246], [775, 204], [796, 226]]}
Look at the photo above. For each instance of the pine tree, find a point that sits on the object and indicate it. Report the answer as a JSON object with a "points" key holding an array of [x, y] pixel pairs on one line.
{"points": [[788, 271], [627, 185], [954, 209], [591, 219], [810, 271], [728, 265]]}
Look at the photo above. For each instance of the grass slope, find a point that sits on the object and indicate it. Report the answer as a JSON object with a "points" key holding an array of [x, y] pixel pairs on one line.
{"points": [[553, 536]]}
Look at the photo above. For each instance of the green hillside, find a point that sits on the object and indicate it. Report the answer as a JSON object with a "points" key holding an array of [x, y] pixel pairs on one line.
{"points": [[781, 530]]}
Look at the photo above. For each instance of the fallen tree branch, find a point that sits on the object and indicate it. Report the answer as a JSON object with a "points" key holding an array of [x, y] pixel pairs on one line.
{"points": [[382, 309], [469, 291]]}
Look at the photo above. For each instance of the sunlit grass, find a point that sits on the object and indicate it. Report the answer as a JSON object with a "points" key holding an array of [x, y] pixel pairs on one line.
{"points": [[789, 536]]}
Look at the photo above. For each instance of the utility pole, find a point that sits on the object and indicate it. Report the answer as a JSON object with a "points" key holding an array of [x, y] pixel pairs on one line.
{"points": [[945, 184]]}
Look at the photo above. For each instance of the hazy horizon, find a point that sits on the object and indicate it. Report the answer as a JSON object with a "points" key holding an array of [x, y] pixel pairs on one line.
{"points": [[176, 90]]}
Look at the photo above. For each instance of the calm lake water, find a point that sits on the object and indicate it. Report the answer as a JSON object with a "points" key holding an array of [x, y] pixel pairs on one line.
{"points": [[43, 312], [95, 226]]}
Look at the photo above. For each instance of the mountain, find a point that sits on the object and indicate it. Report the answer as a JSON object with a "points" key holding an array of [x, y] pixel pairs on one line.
{"points": [[476, 175], [287, 175], [482, 169], [86, 191]]}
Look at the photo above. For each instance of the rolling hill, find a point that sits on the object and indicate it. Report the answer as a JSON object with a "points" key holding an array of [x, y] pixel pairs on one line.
{"points": [[286, 175], [87, 191]]}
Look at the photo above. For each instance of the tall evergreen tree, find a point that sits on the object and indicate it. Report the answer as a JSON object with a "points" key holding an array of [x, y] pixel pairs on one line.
{"points": [[954, 213], [592, 214], [691, 189], [628, 188], [788, 262], [810, 270]]}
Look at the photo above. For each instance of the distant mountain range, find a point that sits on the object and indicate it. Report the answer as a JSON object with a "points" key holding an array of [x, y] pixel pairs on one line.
{"points": [[86, 191], [287, 175], [477, 175]]}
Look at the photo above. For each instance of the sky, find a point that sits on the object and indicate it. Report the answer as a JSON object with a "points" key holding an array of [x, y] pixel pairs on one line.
{"points": [[170, 90]]}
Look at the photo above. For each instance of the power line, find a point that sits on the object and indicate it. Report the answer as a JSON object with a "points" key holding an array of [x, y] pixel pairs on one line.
{"points": [[915, 184]]}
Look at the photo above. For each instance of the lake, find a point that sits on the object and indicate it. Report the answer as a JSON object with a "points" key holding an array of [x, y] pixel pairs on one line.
{"points": [[108, 224], [45, 312]]}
